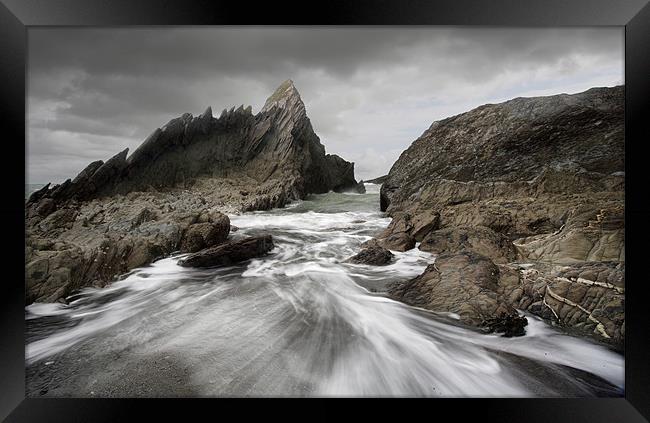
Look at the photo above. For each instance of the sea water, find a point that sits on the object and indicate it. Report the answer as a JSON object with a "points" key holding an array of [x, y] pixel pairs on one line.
{"points": [[299, 321]]}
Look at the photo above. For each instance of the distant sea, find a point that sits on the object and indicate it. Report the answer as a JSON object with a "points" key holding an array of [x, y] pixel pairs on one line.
{"points": [[29, 188]]}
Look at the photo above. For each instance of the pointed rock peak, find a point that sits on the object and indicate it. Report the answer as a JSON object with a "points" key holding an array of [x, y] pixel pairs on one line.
{"points": [[207, 113], [285, 94], [121, 156]]}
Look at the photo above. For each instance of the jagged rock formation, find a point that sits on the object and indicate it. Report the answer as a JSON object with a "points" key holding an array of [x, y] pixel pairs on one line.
{"points": [[88, 244], [535, 186], [167, 195], [278, 144]]}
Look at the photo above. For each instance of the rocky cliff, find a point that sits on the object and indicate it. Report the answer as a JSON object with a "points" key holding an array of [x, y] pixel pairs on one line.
{"points": [[523, 203], [276, 145], [167, 195], [515, 141]]}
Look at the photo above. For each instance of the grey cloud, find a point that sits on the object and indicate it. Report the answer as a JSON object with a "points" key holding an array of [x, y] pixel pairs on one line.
{"points": [[369, 91]]}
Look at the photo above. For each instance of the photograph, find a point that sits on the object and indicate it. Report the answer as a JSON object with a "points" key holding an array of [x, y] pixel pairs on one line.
{"points": [[322, 211]]}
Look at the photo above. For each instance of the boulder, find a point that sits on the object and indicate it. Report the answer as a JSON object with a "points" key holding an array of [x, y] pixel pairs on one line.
{"points": [[400, 241], [463, 283], [230, 252], [508, 324], [377, 256], [206, 234]]}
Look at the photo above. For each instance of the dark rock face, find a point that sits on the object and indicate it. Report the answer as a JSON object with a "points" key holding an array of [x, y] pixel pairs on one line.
{"points": [[535, 186], [230, 252], [515, 141], [278, 144], [508, 324], [377, 256]]}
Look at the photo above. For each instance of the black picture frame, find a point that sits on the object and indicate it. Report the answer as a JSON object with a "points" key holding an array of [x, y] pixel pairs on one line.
{"points": [[16, 16]]}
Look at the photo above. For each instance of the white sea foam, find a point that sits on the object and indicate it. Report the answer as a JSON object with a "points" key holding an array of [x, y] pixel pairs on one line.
{"points": [[302, 321]]}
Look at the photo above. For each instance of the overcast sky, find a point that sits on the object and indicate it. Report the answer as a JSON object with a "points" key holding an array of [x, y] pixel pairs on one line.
{"points": [[369, 92]]}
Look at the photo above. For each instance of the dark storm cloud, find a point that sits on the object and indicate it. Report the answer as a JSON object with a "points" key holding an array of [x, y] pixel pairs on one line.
{"points": [[369, 91]]}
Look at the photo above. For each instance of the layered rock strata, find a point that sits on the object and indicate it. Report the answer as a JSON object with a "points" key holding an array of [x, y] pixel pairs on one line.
{"points": [[526, 200]]}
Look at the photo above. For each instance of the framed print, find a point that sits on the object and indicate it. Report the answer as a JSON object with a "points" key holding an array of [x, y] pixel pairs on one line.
{"points": [[379, 201]]}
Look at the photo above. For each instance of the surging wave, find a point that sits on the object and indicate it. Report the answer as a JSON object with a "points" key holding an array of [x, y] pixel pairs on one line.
{"points": [[302, 322]]}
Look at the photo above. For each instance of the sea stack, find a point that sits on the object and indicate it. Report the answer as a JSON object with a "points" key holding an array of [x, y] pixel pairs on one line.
{"points": [[275, 151]]}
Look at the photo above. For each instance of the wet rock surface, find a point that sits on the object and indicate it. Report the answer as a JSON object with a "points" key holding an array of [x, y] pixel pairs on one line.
{"points": [[230, 252], [399, 241], [463, 283], [535, 186], [89, 244], [508, 324], [583, 298], [377, 256]]}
